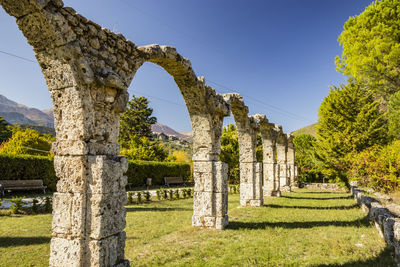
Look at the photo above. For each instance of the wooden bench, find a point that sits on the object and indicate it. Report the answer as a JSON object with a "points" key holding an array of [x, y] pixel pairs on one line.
{"points": [[173, 180], [22, 185]]}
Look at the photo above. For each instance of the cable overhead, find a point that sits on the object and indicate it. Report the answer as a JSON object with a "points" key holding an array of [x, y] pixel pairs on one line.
{"points": [[16, 56], [227, 90]]}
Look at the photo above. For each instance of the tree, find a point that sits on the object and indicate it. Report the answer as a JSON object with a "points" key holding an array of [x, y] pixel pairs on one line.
{"points": [[230, 153], [28, 142], [393, 116], [136, 120], [307, 160], [141, 148], [5, 130], [349, 121], [371, 47]]}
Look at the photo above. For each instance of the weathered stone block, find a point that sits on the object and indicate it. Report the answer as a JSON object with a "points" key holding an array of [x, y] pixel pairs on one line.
{"points": [[69, 212], [106, 252], [106, 214], [66, 252], [71, 171], [106, 174]]}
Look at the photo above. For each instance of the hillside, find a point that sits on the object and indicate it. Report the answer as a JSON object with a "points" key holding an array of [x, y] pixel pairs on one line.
{"points": [[161, 128], [310, 129], [18, 113]]}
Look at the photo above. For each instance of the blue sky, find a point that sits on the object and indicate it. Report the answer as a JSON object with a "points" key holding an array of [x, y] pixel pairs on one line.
{"points": [[278, 54]]}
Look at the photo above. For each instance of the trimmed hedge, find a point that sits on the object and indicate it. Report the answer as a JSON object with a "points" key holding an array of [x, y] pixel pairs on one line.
{"points": [[27, 167], [139, 171]]}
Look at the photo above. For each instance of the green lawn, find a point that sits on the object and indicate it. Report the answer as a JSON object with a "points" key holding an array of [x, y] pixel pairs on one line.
{"points": [[302, 228]]}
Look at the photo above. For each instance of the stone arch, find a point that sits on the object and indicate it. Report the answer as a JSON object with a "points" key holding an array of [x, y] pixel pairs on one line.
{"points": [[250, 169], [88, 70]]}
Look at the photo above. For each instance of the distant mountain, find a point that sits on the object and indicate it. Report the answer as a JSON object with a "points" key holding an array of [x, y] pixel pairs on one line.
{"points": [[39, 128], [18, 113], [161, 128], [310, 129]]}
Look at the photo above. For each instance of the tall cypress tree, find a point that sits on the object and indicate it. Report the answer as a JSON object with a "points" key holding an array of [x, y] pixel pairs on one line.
{"points": [[349, 121], [136, 120]]}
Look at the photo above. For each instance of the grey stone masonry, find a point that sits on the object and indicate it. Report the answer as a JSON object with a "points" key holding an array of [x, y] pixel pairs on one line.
{"points": [[268, 137], [281, 156], [291, 162], [247, 128]]}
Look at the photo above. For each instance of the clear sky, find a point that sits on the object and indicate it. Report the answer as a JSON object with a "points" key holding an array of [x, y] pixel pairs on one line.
{"points": [[278, 54]]}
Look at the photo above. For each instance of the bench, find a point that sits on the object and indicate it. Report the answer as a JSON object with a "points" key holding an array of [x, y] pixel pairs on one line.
{"points": [[174, 180], [21, 185]]}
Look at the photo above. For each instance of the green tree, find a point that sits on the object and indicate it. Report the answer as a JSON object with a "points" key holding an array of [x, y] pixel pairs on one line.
{"points": [[307, 160], [349, 121], [371, 47], [230, 153], [393, 116], [28, 142], [5, 130], [141, 148], [136, 120]]}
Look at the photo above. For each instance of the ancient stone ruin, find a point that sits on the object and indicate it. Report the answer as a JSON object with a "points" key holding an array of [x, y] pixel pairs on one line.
{"points": [[88, 70]]}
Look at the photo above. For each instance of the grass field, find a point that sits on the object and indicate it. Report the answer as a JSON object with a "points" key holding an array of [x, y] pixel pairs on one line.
{"points": [[303, 228]]}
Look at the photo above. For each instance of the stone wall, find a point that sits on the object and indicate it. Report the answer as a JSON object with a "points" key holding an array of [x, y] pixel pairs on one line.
{"points": [[323, 186], [384, 216]]}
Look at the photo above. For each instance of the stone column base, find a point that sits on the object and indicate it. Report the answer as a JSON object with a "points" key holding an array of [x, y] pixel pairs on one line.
{"points": [[276, 193], [210, 222], [256, 203], [210, 198], [286, 188]]}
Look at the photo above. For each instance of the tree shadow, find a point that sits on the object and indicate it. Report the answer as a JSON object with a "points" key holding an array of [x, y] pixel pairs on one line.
{"points": [[312, 208], [7, 241], [317, 198], [155, 209], [385, 258], [237, 225]]}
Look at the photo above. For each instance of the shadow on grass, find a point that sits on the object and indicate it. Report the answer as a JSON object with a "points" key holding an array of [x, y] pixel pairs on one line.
{"points": [[317, 198], [236, 225], [312, 208], [317, 192], [385, 258], [7, 241], [155, 209]]}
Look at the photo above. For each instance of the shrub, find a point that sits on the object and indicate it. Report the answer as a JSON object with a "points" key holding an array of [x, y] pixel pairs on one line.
{"points": [[377, 167], [164, 194], [27, 167], [139, 197], [189, 192], [47, 205], [234, 189], [176, 193], [184, 193], [158, 193], [16, 206], [139, 171], [35, 207], [171, 194], [130, 197], [147, 196]]}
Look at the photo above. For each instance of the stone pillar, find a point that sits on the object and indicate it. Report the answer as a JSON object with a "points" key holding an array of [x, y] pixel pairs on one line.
{"points": [[210, 198], [291, 161], [88, 207], [247, 128], [258, 200], [268, 136], [281, 155]]}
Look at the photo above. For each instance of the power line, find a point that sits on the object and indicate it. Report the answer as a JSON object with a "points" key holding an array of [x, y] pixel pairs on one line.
{"points": [[251, 99], [16, 56]]}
